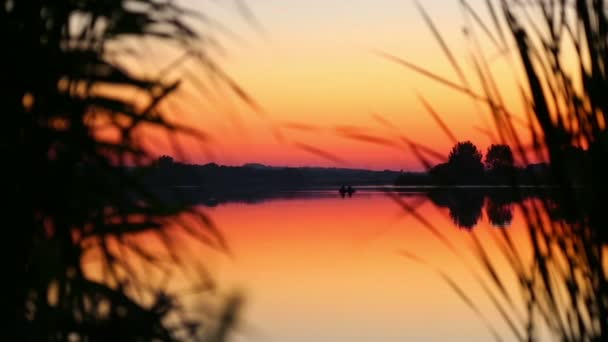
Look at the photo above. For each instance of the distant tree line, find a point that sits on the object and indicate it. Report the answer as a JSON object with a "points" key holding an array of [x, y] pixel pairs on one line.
{"points": [[466, 166], [215, 178]]}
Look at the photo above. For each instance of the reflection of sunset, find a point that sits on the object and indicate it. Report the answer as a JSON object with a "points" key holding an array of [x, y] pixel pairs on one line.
{"points": [[332, 265], [327, 269]]}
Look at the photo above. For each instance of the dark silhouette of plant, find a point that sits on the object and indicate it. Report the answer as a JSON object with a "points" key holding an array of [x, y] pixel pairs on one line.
{"points": [[464, 163], [165, 161], [500, 164], [499, 157], [465, 155], [442, 174], [77, 92], [561, 47], [463, 166]]}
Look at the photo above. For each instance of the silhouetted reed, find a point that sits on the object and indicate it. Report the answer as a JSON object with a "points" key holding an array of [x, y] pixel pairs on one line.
{"points": [[80, 81], [561, 50]]}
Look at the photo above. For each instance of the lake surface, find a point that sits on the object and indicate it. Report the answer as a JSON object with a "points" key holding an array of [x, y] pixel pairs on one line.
{"points": [[318, 267], [315, 266]]}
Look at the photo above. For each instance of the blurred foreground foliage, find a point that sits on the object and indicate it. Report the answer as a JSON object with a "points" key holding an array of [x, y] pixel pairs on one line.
{"points": [[77, 88]]}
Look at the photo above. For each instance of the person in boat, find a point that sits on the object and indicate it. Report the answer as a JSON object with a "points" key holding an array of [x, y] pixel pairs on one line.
{"points": [[342, 190], [350, 190]]}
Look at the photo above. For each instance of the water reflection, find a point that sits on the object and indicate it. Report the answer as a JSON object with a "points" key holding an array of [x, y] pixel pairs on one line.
{"points": [[465, 206], [499, 214], [318, 267]]}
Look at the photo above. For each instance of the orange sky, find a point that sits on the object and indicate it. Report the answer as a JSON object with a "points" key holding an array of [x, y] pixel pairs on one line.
{"points": [[311, 69]]}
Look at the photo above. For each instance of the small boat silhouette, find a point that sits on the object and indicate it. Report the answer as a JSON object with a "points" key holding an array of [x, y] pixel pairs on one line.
{"points": [[346, 190]]}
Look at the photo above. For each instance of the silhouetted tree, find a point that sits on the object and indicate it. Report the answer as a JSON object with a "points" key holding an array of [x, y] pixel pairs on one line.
{"points": [[499, 157], [441, 173], [465, 154], [164, 161], [500, 164], [465, 164]]}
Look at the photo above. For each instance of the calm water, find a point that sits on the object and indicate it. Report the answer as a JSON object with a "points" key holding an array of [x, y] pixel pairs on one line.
{"points": [[314, 266], [318, 267]]}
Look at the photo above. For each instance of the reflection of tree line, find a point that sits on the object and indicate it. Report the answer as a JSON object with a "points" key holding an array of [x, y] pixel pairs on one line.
{"points": [[466, 205]]}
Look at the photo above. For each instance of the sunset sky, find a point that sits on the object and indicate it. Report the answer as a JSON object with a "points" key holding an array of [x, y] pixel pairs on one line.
{"points": [[311, 67]]}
